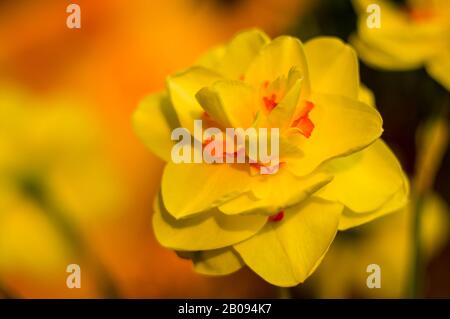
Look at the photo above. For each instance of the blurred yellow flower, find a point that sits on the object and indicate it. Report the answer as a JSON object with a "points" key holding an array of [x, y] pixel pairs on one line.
{"points": [[334, 172], [387, 243], [410, 36], [51, 169]]}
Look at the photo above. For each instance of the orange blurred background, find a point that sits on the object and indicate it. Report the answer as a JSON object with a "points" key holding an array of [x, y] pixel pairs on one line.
{"points": [[123, 51]]}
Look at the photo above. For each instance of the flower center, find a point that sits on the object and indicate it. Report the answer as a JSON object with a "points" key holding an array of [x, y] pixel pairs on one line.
{"points": [[276, 217]]}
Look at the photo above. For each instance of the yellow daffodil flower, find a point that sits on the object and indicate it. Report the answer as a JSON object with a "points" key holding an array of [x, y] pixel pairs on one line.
{"points": [[408, 36], [387, 243], [334, 170]]}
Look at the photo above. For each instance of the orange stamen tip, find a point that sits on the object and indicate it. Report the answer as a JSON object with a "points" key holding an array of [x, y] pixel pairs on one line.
{"points": [[242, 77], [303, 122], [307, 108], [306, 126], [270, 103], [266, 84], [277, 217]]}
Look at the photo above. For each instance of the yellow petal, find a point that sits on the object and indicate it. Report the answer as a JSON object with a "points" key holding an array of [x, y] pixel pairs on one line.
{"points": [[273, 193], [365, 95], [333, 67], [217, 262], [210, 230], [212, 58], [285, 253], [154, 121], [380, 57], [276, 59], [233, 59], [342, 126], [230, 103], [398, 201], [188, 189], [183, 87], [364, 180]]}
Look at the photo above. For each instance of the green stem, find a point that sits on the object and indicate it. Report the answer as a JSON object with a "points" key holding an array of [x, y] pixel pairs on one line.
{"points": [[283, 293], [105, 281], [433, 148], [36, 192], [417, 271]]}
